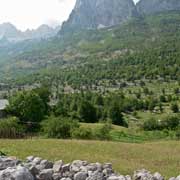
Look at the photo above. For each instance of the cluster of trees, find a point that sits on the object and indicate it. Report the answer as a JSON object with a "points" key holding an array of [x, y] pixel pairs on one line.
{"points": [[92, 107], [30, 107], [34, 113], [168, 123], [64, 127]]}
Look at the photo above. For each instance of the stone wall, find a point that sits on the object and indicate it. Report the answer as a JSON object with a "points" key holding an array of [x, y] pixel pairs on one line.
{"points": [[35, 168]]}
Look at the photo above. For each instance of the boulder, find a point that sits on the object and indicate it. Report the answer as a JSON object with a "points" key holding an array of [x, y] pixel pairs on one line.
{"points": [[30, 158], [45, 174], [57, 166], [95, 176], [157, 176], [80, 176], [114, 177], [57, 176], [142, 175], [65, 167], [6, 162], [37, 160], [18, 173]]}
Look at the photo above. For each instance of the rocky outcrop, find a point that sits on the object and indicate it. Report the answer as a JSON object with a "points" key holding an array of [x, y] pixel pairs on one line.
{"points": [[92, 14], [35, 168], [146, 7]]}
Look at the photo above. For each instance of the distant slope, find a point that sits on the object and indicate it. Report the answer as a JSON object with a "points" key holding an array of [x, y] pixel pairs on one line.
{"points": [[12, 34], [146, 47]]}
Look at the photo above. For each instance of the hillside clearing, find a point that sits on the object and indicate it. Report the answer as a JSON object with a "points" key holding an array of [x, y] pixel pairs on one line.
{"points": [[163, 156]]}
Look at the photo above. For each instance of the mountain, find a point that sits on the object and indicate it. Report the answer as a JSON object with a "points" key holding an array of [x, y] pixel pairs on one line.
{"points": [[145, 7], [145, 47], [94, 14], [131, 47], [12, 34], [4, 41], [44, 31], [9, 31]]}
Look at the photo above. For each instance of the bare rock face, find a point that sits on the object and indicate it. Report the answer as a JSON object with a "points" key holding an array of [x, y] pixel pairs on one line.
{"points": [[93, 14], [146, 7]]}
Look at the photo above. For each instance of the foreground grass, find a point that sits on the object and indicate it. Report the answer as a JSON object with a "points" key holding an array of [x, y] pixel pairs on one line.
{"points": [[163, 157]]}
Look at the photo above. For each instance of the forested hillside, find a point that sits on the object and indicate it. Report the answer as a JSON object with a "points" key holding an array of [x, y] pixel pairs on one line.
{"points": [[146, 47]]}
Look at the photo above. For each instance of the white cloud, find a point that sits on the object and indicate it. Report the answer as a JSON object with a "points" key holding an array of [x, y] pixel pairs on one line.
{"points": [[32, 13]]}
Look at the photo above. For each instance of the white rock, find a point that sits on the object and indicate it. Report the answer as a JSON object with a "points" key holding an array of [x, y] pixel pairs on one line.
{"points": [[18, 173], [57, 166]]}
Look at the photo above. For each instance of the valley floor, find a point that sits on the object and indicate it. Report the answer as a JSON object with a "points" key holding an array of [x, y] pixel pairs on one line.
{"points": [[162, 156]]}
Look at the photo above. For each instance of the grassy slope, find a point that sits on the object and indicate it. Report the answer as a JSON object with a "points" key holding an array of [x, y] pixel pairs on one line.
{"points": [[163, 157]]}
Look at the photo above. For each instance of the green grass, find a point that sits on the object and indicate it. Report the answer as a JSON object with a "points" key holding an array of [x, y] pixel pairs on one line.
{"points": [[132, 134], [163, 156]]}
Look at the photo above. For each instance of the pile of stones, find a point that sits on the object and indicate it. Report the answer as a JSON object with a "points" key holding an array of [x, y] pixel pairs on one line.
{"points": [[35, 168]]}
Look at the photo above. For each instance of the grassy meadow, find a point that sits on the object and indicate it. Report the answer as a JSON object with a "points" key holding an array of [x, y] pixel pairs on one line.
{"points": [[162, 156]]}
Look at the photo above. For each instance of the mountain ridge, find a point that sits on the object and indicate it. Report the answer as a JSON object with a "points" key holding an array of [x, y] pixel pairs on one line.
{"points": [[12, 34], [95, 14], [146, 7], [149, 42]]}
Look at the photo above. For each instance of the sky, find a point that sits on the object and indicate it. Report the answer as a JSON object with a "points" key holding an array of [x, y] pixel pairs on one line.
{"points": [[30, 14]]}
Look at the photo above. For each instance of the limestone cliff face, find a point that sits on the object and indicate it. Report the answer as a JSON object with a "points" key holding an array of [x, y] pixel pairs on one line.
{"points": [[155, 6], [92, 14]]}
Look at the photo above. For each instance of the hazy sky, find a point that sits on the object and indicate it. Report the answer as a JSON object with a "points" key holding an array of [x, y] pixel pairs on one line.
{"points": [[32, 13]]}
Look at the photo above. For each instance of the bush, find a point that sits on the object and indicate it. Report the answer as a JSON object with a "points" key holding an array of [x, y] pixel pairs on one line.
{"points": [[11, 128], [60, 127], [169, 123], [104, 132], [178, 133], [175, 108], [82, 133], [87, 112], [151, 124], [116, 116]]}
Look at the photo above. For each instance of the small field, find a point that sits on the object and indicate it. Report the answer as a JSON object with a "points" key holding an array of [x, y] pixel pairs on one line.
{"points": [[163, 156]]}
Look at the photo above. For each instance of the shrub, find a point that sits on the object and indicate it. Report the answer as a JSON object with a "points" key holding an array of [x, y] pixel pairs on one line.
{"points": [[175, 107], [87, 112], [103, 133], [151, 124], [60, 127], [82, 133], [116, 116], [11, 128], [171, 122], [178, 133]]}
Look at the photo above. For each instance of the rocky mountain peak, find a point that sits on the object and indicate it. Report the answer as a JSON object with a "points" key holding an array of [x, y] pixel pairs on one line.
{"points": [[92, 14], [155, 6]]}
